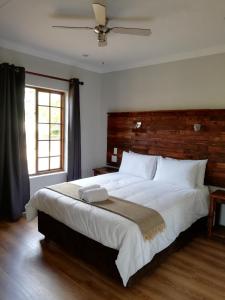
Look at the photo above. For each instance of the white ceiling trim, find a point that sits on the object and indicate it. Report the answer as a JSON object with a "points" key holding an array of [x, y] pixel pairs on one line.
{"points": [[177, 57], [46, 55]]}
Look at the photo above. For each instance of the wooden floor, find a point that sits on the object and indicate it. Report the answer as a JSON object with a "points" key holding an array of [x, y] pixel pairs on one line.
{"points": [[30, 269]]}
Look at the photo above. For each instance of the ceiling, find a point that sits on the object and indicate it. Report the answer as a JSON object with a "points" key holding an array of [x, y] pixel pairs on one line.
{"points": [[180, 29]]}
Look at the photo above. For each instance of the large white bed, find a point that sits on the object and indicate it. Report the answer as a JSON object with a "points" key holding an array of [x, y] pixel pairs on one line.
{"points": [[179, 206]]}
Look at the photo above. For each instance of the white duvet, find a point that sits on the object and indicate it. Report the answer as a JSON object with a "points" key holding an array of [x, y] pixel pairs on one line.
{"points": [[179, 207]]}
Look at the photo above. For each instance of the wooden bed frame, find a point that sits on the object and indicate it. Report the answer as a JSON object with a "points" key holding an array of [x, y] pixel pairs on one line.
{"points": [[103, 257], [166, 133]]}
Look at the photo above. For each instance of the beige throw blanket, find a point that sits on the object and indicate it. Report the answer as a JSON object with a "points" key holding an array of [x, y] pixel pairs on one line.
{"points": [[148, 220]]}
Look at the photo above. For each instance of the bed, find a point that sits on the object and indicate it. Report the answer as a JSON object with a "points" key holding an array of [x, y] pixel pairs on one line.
{"points": [[108, 240], [180, 207]]}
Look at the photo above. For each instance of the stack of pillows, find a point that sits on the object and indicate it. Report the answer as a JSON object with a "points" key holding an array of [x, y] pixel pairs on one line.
{"points": [[184, 173]]}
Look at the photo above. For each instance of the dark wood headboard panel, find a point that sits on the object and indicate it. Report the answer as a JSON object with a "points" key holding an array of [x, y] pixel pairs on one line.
{"points": [[171, 133]]}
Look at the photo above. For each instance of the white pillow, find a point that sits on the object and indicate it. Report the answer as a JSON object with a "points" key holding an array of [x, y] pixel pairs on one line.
{"points": [[201, 172], [178, 172], [138, 165], [150, 157], [201, 169]]}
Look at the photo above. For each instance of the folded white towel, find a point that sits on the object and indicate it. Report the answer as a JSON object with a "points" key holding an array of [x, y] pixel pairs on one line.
{"points": [[86, 188], [95, 195]]}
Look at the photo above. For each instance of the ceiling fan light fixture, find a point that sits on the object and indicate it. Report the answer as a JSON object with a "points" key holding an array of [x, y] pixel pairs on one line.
{"points": [[102, 43], [101, 37], [96, 30], [101, 29]]}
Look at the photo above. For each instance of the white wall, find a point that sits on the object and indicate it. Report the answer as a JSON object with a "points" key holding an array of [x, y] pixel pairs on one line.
{"points": [[194, 83], [38, 182], [188, 84], [93, 145]]}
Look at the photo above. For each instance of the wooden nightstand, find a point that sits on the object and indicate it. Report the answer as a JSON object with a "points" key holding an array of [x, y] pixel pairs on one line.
{"points": [[104, 170], [217, 197]]}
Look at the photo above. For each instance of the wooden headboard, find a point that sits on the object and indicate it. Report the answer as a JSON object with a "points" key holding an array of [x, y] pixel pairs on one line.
{"points": [[171, 133]]}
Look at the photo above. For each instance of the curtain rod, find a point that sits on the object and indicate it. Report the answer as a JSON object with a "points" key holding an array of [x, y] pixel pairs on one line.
{"points": [[51, 77]]}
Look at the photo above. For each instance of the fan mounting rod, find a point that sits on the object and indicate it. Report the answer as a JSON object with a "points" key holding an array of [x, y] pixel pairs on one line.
{"points": [[102, 31], [101, 28]]}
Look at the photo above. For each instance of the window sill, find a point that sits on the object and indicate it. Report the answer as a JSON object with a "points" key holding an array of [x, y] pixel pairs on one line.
{"points": [[47, 174]]}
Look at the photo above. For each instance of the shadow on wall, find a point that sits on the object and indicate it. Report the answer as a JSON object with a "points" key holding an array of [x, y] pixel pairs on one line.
{"points": [[38, 182]]}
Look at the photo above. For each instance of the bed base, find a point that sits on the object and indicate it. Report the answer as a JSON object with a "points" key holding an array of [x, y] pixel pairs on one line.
{"points": [[104, 257]]}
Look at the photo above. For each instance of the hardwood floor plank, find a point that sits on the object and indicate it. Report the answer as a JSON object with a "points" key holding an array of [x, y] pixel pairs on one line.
{"points": [[32, 269], [199, 274], [193, 282]]}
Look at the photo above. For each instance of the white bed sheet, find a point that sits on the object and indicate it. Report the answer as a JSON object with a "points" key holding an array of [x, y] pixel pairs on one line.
{"points": [[179, 207]]}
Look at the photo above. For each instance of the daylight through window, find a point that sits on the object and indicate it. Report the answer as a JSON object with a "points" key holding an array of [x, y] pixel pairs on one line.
{"points": [[44, 120]]}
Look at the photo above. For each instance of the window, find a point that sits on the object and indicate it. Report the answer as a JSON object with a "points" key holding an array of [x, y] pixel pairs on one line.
{"points": [[44, 121]]}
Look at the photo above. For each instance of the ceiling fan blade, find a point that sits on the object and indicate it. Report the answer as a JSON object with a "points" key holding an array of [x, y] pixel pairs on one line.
{"points": [[73, 27], [134, 31], [102, 43], [100, 13]]}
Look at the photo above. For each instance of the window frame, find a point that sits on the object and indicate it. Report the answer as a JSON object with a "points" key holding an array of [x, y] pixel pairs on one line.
{"points": [[62, 130]]}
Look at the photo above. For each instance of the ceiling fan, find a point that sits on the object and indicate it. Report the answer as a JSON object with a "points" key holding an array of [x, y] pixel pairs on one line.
{"points": [[102, 29]]}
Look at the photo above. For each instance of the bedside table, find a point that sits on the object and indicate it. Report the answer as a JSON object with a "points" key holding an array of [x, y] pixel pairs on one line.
{"points": [[104, 170], [217, 197]]}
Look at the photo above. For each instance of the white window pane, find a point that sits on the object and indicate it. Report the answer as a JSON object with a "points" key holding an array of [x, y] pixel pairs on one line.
{"points": [[54, 148], [43, 131], [43, 164], [54, 162], [43, 98], [30, 126], [43, 149], [55, 100], [55, 132], [43, 114], [55, 115]]}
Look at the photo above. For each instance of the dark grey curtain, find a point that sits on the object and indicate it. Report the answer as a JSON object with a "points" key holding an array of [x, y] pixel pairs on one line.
{"points": [[14, 179], [74, 139]]}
